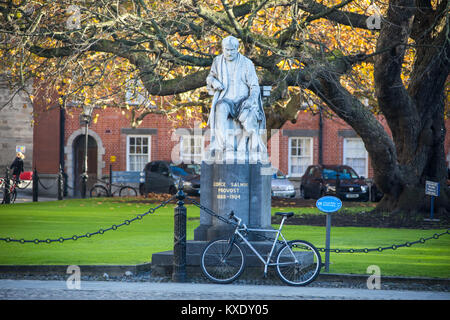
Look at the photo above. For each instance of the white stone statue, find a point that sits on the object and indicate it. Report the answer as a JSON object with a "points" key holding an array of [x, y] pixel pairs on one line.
{"points": [[237, 119]]}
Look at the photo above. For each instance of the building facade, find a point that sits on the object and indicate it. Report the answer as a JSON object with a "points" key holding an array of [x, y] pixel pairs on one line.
{"points": [[59, 141]]}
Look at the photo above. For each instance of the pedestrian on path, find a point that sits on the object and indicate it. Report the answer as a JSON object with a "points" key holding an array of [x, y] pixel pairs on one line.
{"points": [[17, 166]]}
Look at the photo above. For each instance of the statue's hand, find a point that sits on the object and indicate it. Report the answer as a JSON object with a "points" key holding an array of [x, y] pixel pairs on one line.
{"points": [[217, 85], [248, 104]]}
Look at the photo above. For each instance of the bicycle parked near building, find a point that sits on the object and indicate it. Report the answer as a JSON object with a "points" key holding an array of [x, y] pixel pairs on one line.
{"points": [[12, 190], [297, 262], [102, 190]]}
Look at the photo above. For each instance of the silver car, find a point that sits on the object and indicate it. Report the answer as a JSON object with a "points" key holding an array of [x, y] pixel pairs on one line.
{"points": [[281, 186]]}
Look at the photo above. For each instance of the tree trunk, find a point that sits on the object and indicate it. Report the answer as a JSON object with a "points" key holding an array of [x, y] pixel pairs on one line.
{"points": [[414, 115]]}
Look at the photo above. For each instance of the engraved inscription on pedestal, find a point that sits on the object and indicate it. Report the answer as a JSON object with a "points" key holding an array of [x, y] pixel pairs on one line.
{"points": [[229, 191]]}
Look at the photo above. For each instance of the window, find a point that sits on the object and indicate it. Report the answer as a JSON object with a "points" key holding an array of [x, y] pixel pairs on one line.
{"points": [[191, 149], [300, 155], [138, 152], [355, 155]]}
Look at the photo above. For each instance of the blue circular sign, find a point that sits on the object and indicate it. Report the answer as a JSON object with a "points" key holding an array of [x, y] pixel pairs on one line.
{"points": [[329, 204]]}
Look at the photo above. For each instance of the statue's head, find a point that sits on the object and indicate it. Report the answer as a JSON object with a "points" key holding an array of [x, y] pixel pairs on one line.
{"points": [[230, 47]]}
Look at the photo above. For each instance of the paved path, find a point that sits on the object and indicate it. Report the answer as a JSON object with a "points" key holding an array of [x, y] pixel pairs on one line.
{"points": [[112, 290], [26, 195]]}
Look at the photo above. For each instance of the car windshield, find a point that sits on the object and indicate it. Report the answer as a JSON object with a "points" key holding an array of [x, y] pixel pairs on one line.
{"points": [[178, 171], [278, 175], [344, 173]]}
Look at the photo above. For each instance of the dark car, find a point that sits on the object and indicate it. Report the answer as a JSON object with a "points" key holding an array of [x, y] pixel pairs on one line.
{"points": [[335, 180], [163, 177]]}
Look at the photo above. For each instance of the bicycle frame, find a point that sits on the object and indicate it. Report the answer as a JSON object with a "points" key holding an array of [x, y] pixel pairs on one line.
{"points": [[269, 256], [12, 187]]}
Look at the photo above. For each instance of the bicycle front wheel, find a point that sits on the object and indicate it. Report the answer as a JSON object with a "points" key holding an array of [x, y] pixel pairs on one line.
{"points": [[298, 263], [98, 191], [127, 191], [222, 262], [13, 196]]}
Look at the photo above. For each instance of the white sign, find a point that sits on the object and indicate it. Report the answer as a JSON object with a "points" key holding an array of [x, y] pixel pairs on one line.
{"points": [[432, 188]]}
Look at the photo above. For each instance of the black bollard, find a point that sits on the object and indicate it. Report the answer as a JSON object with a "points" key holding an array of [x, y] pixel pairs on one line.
{"points": [[84, 178], [35, 185], [179, 247]]}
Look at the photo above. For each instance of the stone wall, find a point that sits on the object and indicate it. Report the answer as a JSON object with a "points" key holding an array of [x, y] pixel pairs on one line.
{"points": [[15, 127]]}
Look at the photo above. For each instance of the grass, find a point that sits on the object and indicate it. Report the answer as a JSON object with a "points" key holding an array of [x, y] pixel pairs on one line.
{"points": [[135, 243]]}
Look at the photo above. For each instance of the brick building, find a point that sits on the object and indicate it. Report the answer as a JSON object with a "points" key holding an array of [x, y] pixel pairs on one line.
{"points": [[59, 141]]}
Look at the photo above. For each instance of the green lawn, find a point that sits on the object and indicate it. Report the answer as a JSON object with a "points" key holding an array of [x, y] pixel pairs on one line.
{"points": [[135, 243]]}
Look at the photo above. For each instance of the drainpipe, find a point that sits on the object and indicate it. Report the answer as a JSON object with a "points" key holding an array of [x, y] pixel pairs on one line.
{"points": [[320, 137], [62, 129]]}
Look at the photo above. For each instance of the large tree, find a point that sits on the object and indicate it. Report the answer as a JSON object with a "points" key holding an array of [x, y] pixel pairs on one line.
{"points": [[333, 54]]}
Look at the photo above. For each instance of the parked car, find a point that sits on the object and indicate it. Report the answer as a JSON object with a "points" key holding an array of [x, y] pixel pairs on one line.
{"points": [[281, 186], [336, 180], [163, 177]]}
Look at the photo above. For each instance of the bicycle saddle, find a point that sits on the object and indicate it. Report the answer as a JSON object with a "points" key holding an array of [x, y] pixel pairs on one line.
{"points": [[284, 214]]}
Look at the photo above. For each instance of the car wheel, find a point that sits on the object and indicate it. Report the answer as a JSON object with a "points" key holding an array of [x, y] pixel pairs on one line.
{"points": [[303, 193], [142, 189]]}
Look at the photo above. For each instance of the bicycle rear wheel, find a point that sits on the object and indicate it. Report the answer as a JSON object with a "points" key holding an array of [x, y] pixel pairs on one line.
{"points": [[298, 263], [222, 262], [98, 191], [127, 191]]}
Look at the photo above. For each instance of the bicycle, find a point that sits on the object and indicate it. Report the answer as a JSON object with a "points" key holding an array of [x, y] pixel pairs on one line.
{"points": [[12, 190], [297, 262], [100, 190]]}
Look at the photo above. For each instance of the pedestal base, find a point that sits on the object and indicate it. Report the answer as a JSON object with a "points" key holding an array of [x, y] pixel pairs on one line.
{"points": [[244, 189], [162, 262]]}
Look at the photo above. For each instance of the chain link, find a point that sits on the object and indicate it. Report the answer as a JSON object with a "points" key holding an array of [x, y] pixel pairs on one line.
{"points": [[47, 187], [209, 211], [88, 235], [335, 250], [392, 247], [221, 218]]}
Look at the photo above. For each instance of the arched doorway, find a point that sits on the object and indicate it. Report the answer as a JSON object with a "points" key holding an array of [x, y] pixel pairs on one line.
{"points": [[79, 150]]}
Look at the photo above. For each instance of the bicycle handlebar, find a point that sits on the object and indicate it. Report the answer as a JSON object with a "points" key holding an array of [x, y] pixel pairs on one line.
{"points": [[231, 216]]}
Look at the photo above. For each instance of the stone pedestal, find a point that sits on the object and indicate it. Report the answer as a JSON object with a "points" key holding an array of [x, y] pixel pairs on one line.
{"points": [[242, 188]]}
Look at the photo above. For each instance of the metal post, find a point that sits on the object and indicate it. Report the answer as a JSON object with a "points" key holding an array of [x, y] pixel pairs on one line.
{"points": [[84, 175], [327, 244], [60, 184], [179, 248], [110, 180], [432, 208], [35, 185], [6, 193]]}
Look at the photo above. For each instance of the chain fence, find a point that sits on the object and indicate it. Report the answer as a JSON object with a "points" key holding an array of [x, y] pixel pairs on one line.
{"points": [[90, 234], [334, 250], [223, 219]]}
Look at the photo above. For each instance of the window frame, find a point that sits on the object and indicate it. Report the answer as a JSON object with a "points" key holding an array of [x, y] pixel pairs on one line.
{"points": [[128, 154], [366, 156], [192, 157], [311, 156]]}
